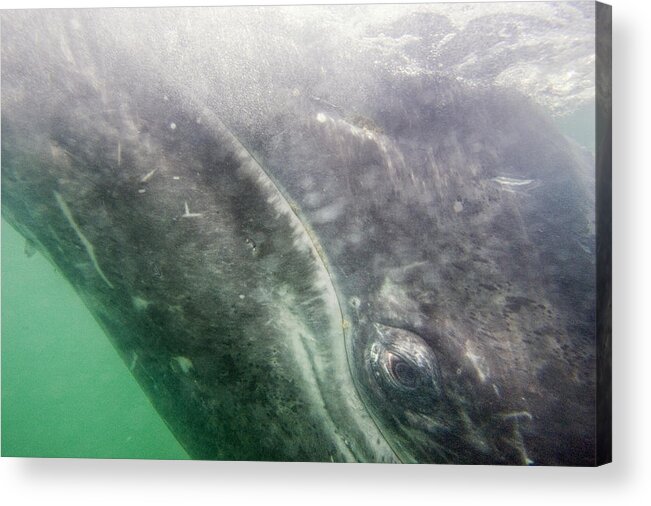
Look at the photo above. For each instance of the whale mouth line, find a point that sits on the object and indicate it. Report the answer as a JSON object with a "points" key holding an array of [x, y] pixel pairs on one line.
{"points": [[303, 347]]}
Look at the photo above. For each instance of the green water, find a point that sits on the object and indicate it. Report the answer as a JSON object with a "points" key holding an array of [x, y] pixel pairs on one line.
{"points": [[580, 126], [65, 391]]}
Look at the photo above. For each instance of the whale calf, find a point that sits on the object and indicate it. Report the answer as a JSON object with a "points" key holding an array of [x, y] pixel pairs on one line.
{"points": [[403, 274]]}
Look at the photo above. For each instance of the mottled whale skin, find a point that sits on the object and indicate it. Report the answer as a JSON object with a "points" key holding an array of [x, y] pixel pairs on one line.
{"points": [[410, 284]]}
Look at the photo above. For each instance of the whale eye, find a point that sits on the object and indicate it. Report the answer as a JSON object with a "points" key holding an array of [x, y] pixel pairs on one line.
{"points": [[403, 372], [404, 367]]}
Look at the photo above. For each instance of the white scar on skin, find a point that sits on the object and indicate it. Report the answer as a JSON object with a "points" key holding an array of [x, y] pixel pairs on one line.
{"points": [[188, 214], [477, 362], [184, 363], [512, 181], [134, 360], [147, 176], [87, 244], [139, 303]]}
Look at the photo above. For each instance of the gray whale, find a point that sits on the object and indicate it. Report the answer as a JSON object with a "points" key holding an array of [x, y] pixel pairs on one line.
{"points": [[407, 279]]}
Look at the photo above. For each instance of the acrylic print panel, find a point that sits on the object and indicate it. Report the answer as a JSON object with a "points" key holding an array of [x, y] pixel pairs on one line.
{"points": [[317, 233]]}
